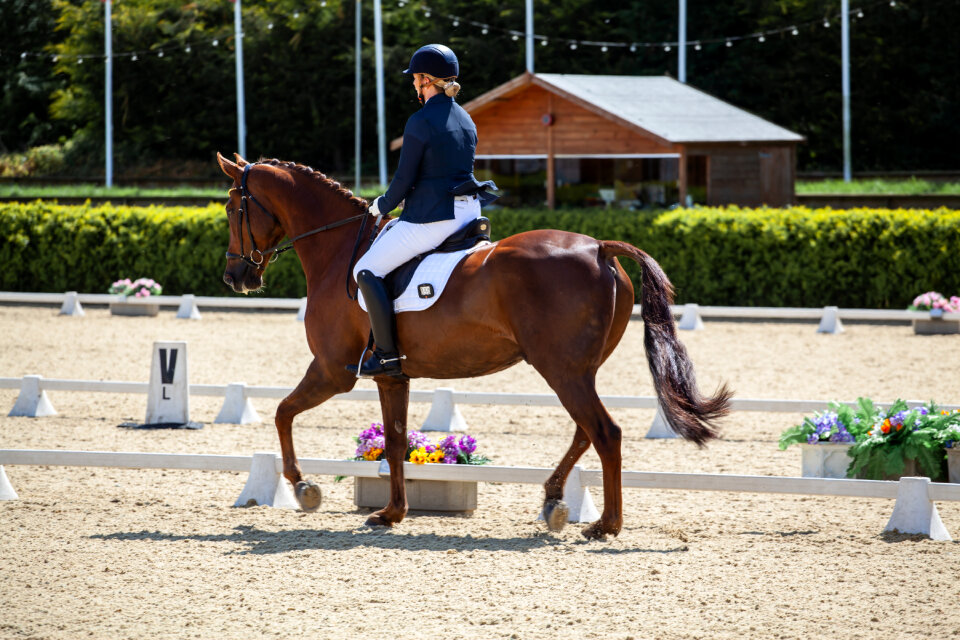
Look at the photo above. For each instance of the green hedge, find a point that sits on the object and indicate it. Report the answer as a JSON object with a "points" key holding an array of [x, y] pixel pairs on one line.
{"points": [[873, 258]]}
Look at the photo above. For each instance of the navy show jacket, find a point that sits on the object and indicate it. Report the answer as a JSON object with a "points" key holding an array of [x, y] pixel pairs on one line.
{"points": [[436, 163]]}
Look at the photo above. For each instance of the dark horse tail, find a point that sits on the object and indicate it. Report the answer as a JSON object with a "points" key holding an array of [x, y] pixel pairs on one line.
{"points": [[687, 411]]}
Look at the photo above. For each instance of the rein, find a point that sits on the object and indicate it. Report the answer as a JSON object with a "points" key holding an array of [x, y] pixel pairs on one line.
{"points": [[257, 262]]}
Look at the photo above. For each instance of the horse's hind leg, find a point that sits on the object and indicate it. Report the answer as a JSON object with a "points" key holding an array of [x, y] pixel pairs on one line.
{"points": [[314, 388], [394, 399], [555, 511], [580, 399]]}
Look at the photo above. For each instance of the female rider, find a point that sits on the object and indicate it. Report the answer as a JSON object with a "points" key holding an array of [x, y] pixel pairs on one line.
{"points": [[435, 180]]}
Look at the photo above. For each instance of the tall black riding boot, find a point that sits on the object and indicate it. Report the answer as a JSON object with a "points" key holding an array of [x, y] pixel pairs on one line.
{"points": [[385, 360]]}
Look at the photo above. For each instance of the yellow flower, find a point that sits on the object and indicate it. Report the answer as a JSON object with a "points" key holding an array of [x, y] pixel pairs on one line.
{"points": [[418, 456], [436, 456], [372, 454]]}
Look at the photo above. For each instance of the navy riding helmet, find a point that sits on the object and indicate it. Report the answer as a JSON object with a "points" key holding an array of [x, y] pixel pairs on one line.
{"points": [[436, 60]]}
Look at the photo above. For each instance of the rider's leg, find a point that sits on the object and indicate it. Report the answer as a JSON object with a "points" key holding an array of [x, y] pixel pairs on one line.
{"points": [[386, 358]]}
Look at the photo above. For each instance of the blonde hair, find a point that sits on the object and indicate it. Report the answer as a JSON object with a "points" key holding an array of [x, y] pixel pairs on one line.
{"points": [[449, 86]]}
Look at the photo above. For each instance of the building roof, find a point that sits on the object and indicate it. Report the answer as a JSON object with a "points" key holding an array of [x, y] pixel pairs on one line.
{"points": [[670, 110]]}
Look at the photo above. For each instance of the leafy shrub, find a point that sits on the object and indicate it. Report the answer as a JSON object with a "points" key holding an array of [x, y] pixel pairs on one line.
{"points": [[873, 258], [37, 161]]}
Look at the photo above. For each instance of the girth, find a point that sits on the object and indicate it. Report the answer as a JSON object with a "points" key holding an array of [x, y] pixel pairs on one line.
{"points": [[474, 233]]}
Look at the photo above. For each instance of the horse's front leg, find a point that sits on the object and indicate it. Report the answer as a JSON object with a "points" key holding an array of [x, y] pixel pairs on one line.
{"points": [[315, 387], [555, 510], [394, 397]]}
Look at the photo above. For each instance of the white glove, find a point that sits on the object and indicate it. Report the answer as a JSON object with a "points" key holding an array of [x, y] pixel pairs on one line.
{"points": [[375, 207]]}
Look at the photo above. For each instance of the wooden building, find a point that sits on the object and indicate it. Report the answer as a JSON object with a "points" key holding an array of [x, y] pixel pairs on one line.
{"points": [[631, 140]]}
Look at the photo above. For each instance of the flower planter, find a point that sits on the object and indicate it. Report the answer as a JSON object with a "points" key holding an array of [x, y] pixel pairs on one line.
{"points": [[134, 309], [953, 464], [935, 327], [422, 495], [825, 460]]}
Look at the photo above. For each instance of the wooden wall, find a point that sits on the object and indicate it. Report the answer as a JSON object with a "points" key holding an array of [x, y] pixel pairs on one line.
{"points": [[751, 175], [512, 126]]}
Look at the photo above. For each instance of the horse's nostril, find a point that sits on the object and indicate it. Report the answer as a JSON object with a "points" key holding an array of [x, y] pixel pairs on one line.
{"points": [[227, 279]]}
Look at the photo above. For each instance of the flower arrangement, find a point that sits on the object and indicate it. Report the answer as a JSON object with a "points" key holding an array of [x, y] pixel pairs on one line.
{"points": [[371, 445], [931, 300], [139, 288], [883, 440]]}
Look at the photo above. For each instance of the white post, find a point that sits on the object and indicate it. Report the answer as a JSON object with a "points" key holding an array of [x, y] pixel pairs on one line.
{"points": [[682, 43], [914, 512], [188, 307], [7, 492], [237, 408], [265, 486], [241, 115], [830, 321], [845, 84], [71, 305], [529, 35], [108, 88], [660, 429], [302, 311], [381, 117], [690, 320], [356, 107], [32, 402], [168, 395], [444, 414]]}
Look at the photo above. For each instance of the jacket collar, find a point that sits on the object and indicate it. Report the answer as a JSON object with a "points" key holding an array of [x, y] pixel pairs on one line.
{"points": [[438, 99]]}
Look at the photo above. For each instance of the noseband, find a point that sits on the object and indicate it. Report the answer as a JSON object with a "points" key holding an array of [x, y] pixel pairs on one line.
{"points": [[256, 256]]}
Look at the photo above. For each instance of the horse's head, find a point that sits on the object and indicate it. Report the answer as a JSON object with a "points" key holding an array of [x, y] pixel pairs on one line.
{"points": [[253, 228]]}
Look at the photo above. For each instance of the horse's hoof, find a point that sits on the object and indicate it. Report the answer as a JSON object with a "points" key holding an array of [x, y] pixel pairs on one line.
{"points": [[308, 495], [377, 520], [596, 531], [555, 514]]}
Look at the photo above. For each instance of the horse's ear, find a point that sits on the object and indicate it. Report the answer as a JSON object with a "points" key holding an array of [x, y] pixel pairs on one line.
{"points": [[229, 168], [240, 161]]}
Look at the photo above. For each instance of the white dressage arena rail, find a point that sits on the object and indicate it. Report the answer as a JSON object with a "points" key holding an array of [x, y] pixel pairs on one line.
{"points": [[444, 415], [691, 314], [913, 513]]}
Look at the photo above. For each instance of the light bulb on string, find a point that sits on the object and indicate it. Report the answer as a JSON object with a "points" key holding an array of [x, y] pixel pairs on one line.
{"points": [[543, 42], [697, 47], [633, 48], [216, 43], [485, 30], [187, 48], [761, 39], [80, 60], [666, 47], [160, 54], [456, 23], [604, 48], [323, 3], [23, 56], [893, 3], [729, 43], [426, 14], [54, 58], [133, 58], [826, 24], [795, 31], [296, 14], [515, 37], [860, 13], [269, 25], [573, 46]]}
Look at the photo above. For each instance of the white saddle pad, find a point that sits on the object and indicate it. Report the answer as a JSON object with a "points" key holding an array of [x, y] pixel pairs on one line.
{"points": [[428, 280]]}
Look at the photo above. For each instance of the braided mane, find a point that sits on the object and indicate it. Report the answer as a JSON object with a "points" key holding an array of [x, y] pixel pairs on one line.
{"points": [[330, 183]]}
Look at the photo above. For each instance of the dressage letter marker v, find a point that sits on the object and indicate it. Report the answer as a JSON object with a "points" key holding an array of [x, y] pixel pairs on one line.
{"points": [[168, 397]]}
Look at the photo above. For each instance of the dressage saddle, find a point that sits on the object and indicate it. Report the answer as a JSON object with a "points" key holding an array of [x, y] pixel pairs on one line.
{"points": [[474, 233]]}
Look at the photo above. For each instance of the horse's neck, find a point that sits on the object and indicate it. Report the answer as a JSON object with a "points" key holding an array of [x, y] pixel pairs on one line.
{"points": [[324, 255]]}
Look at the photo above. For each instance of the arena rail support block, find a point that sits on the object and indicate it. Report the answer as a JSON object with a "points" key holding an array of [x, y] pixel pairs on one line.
{"points": [[71, 305], [660, 428], [7, 491], [302, 311], [830, 321], [577, 498], [690, 320], [237, 408], [188, 308], [32, 402], [265, 486], [914, 511], [444, 414]]}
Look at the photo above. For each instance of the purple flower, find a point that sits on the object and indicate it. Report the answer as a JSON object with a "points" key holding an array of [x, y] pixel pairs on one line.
{"points": [[468, 445], [415, 440], [813, 438]]}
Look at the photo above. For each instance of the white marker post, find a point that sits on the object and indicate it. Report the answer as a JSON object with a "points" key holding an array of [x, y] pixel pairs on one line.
{"points": [[168, 396]]}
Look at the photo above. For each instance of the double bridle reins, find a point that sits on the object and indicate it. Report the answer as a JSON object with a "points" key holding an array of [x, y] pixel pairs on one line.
{"points": [[257, 256]]}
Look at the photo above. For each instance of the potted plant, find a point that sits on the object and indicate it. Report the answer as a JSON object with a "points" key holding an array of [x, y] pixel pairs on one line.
{"points": [[937, 305], [427, 495], [825, 441], [950, 436], [139, 289]]}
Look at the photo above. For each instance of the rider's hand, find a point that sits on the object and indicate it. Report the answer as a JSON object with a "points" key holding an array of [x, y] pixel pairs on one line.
{"points": [[375, 207]]}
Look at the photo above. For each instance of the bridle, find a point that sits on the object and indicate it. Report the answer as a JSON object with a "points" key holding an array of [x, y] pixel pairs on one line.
{"points": [[257, 256]]}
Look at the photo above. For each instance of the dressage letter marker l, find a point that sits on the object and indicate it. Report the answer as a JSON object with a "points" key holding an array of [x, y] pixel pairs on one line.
{"points": [[168, 397]]}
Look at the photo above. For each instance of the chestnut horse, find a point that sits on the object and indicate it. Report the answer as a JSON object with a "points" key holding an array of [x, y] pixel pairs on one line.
{"points": [[558, 300]]}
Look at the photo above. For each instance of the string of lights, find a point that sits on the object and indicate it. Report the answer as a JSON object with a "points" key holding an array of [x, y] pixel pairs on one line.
{"points": [[169, 48]]}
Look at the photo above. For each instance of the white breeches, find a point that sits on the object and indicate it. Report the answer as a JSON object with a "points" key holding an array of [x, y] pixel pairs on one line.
{"points": [[405, 240]]}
